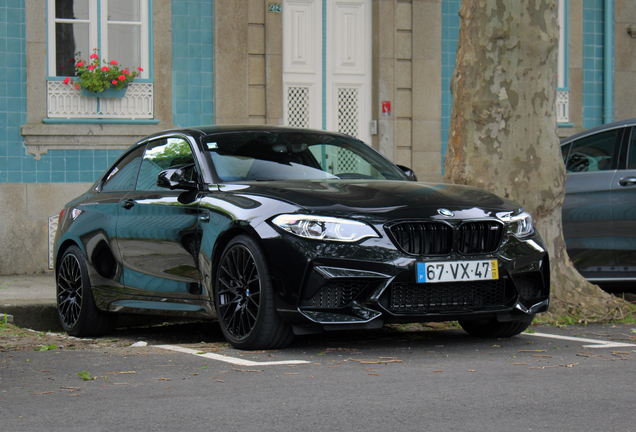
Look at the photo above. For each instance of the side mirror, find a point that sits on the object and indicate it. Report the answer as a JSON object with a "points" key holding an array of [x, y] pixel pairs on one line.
{"points": [[409, 172], [179, 177]]}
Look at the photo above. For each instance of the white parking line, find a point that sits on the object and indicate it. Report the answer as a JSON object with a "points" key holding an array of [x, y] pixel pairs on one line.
{"points": [[226, 359], [594, 342]]}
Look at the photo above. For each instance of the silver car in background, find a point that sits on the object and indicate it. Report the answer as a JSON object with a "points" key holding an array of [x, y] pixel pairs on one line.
{"points": [[599, 212]]}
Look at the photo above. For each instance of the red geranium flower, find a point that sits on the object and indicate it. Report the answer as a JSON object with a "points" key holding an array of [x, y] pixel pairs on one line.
{"points": [[99, 75]]}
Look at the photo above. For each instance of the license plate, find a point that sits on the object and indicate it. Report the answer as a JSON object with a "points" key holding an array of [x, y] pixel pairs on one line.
{"points": [[454, 271]]}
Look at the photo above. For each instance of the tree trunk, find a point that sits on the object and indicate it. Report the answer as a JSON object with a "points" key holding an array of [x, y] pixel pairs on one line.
{"points": [[503, 130]]}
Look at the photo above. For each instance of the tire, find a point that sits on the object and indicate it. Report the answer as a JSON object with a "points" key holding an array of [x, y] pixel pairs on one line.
{"points": [[244, 299], [76, 307], [493, 329]]}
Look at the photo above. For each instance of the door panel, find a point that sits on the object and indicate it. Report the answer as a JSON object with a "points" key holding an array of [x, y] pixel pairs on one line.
{"points": [[624, 211], [328, 87], [158, 229]]}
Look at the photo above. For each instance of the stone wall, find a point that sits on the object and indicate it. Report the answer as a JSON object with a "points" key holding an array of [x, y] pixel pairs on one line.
{"points": [[24, 223]]}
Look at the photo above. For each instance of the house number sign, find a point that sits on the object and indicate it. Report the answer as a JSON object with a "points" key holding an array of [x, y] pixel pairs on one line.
{"points": [[274, 8]]}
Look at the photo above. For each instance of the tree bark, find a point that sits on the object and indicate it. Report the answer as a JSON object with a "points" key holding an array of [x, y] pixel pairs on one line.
{"points": [[503, 130]]}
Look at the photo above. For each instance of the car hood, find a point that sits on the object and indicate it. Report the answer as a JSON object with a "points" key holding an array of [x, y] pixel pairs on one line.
{"points": [[391, 199]]}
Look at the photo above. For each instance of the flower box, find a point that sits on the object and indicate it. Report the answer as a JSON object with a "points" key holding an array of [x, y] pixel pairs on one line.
{"points": [[108, 93]]}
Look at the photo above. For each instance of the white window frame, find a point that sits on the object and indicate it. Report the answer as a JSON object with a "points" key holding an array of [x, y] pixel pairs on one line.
{"points": [[563, 90], [98, 32]]}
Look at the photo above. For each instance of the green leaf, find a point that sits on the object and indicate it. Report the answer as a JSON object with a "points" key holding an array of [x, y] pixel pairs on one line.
{"points": [[85, 376], [46, 347]]}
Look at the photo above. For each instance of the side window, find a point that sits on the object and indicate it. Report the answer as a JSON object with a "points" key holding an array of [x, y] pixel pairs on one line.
{"points": [[161, 155], [565, 149], [594, 153], [124, 175], [631, 156]]}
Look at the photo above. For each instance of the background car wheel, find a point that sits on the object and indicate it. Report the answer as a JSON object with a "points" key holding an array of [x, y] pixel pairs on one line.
{"points": [[494, 329], [244, 299], [75, 304]]}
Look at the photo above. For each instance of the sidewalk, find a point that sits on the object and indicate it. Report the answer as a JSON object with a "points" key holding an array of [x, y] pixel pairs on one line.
{"points": [[30, 299]]}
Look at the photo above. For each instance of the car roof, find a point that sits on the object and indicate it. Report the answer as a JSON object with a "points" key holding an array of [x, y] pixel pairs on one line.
{"points": [[604, 127], [214, 129]]}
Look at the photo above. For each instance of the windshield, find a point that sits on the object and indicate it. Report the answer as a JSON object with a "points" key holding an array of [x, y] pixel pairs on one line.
{"points": [[289, 155]]}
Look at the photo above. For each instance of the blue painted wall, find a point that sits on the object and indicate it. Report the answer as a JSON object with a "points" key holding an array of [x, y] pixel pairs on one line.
{"points": [[13, 93], [450, 35], [592, 63], [192, 62], [192, 95]]}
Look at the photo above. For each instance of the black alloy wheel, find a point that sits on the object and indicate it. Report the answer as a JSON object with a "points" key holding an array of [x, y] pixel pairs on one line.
{"points": [[244, 298], [76, 307]]}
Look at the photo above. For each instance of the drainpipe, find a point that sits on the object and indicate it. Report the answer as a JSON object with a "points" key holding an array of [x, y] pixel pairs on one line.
{"points": [[608, 62]]}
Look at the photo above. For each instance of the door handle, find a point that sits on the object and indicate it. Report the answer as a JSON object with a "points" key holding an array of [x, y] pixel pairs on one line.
{"points": [[627, 181], [205, 217], [127, 203]]}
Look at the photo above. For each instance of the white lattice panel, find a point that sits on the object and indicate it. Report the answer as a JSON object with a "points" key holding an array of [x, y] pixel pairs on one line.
{"points": [[347, 161], [298, 106], [53, 220], [65, 102], [348, 111], [563, 106]]}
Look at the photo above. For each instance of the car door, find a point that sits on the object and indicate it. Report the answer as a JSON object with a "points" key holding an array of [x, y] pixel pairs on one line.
{"points": [[588, 226], [158, 229], [99, 215], [624, 209]]}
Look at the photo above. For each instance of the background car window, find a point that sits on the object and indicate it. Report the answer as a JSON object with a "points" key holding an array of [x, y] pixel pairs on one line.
{"points": [[631, 158], [593, 153], [124, 175], [161, 155]]}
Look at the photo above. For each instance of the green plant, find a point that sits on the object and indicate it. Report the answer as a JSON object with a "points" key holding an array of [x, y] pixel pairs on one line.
{"points": [[93, 77], [86, 376], [46, 347]]}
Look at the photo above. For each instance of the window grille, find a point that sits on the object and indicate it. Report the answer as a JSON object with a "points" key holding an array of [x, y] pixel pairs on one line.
{"points": [[563, 106], [53, 220], [298, 106], [348, 106]]}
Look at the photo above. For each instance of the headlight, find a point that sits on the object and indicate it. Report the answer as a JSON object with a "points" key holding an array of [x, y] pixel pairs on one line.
{"points": [[520, 225], [324, 228]]}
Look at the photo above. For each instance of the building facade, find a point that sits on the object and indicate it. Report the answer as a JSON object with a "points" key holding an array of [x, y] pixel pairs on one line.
{"points": [[376, 69]]}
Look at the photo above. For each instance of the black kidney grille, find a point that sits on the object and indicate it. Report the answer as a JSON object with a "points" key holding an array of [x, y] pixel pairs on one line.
{"points": [[479, 237], [436, 238], [423, 238], [337, 294], [447, 297]]}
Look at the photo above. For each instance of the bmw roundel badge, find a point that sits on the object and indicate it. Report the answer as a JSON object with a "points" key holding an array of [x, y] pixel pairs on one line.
{"points": [[445, 212]]}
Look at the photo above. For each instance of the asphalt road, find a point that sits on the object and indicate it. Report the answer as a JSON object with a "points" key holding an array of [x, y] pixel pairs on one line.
{"points": [[408, 379]]}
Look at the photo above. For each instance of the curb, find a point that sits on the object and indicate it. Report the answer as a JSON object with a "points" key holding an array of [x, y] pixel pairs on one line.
{"points": [[35, 317]]}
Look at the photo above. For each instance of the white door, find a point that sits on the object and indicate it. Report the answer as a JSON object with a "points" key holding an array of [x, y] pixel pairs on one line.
{"points": [[327, 65]]}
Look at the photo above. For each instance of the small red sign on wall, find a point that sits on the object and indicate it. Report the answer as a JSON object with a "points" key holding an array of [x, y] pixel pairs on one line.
{"points": [[386, 108]]}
